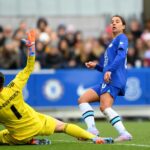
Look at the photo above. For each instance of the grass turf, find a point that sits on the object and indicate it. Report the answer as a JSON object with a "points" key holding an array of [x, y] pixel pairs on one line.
{"points": [[139, 130]]}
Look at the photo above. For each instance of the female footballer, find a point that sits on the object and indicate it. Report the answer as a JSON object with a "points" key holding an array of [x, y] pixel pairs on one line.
{"points": [[113, 67]]}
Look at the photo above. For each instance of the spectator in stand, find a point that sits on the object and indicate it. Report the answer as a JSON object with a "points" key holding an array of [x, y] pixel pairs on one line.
{"points": [[104, 40], [70, 35], [17, 36], [146, 33], [44, 31], [71, 53], [78, 36], [8, 31], [61, 31], [98, 49], [86, 53], [132, 57], [135, 29], [9, 56], [67, 54], [147, 55], [78, 48], [53, 57], [40, 54], [22, 27], [140, 49], [130, 39], [2, 38], [42, 24], [147, 25]]}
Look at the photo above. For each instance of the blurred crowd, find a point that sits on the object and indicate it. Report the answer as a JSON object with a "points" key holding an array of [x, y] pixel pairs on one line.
{"points": [[66, 47]]}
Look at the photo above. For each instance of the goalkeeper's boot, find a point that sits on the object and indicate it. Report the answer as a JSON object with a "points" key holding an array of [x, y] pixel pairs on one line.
{"points": [[93, 130], [126, 136], [40, 142], [99, 140]]}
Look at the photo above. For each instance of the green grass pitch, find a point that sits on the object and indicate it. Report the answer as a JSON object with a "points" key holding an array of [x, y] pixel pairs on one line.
{"points": [[140, 131]]}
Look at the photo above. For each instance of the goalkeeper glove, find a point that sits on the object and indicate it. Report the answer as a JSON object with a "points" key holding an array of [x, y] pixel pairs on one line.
{"points": [[30, 42]]}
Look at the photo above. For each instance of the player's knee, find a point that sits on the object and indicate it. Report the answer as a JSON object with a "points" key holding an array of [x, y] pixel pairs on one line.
{"points": [[103, 107], [60, 126], [81, 100]]}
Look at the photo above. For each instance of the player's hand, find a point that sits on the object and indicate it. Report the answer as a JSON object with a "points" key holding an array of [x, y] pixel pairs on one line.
{"points": [[90, 64], [107, 77], [30, 38]]}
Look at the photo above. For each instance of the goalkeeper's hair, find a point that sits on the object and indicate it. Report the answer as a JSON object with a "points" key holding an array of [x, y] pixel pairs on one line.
{"points": [[2, 80]]}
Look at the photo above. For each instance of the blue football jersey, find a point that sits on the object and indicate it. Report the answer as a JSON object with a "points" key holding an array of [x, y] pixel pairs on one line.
{"points": [[114, 60]]}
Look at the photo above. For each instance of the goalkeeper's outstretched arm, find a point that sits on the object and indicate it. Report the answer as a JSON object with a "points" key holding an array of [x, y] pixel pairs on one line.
{"points": [[22, 77]]}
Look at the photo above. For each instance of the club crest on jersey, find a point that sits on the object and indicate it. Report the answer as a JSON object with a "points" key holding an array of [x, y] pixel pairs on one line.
{"points": [[110, 45], [121, 43]]}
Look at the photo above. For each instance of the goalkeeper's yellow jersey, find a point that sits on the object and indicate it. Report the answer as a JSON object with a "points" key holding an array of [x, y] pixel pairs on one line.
{"points": [[18, 117]]}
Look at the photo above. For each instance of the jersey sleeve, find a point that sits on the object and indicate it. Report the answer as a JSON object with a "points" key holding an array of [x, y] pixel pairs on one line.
{"points": [[121, 54], [99, 67], [23, 76], [123, 43]]}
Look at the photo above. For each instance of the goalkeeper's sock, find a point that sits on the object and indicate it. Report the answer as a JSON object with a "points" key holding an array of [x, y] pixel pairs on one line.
{"points": [[115, 120], [77, 132], [87, 115]]}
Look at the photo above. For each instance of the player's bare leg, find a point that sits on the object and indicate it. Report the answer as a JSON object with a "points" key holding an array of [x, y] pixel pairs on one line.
{"points": [[106, 103], [76, 131], [87, 111]]}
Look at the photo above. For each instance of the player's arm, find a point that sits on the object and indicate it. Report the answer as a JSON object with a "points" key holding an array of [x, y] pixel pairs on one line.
{"points": [[95, 65], [99, 67], [121, 55], [22, 77]]}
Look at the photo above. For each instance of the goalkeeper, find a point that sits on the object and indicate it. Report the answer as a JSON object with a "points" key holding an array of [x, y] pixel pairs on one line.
{"points": [[22, 122]]}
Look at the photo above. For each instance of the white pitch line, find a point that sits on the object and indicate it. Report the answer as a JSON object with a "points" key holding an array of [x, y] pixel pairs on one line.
{"points": [[136, 145], [69, 141], [115, 144]]}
